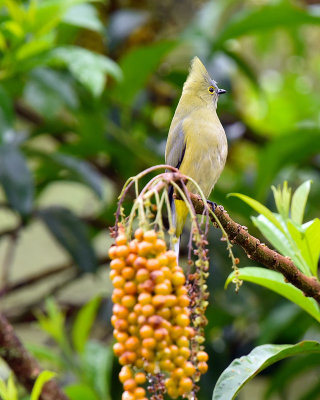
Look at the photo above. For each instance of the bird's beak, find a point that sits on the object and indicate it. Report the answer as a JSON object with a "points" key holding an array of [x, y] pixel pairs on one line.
{"points": [[221, 91]]}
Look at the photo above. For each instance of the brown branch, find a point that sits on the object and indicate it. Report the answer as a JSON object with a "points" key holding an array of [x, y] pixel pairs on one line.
{"points": [[261, 253], [25, 367]]}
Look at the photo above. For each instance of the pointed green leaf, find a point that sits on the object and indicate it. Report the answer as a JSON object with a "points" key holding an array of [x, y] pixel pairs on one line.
{"points": [[16, 178], [312, 238], [12, 391], [84, 16], [243, 369], [299, 200], [303, 258], [275, 281], [260, 208], [42, 379], [80, 391], [72, 234], [83, 323]]}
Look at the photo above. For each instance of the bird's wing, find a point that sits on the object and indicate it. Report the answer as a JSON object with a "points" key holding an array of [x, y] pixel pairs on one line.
{"points": [[176, 146]]}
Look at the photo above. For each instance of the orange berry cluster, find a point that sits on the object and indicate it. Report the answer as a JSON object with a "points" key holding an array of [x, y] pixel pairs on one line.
{"points": [[151, 318]]}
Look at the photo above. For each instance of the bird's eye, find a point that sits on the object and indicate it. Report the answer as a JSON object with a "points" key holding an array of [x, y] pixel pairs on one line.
{"points": [[211, 89]]}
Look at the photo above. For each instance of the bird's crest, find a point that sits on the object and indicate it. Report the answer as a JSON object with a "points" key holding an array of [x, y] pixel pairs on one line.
{"points": [[198, 75]]}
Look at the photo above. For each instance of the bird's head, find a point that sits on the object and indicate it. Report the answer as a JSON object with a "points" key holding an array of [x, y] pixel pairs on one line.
{"points": [[199, 84]]}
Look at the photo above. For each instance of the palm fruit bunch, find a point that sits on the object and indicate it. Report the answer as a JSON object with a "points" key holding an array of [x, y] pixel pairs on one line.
{"points": [[151, 318]]}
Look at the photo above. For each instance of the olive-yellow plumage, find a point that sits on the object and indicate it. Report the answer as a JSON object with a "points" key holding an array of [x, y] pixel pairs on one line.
{"points": [[197, 143]]}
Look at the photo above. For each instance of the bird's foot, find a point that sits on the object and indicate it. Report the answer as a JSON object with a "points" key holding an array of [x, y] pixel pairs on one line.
{"points": [[212, 205]]}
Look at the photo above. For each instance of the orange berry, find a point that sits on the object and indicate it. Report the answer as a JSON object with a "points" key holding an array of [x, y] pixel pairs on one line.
{"points": [[140, 262], [146, 331], [162, 344], [202, 356], [177, 373], [131, 258], [163, 259], [189, 368], [128, 273], [113, 274], [120, 311], [128, 396], [169, 382], [153, 264], [160, 334], [133, 246], [133, 330], [165, 353], [144, 298], [140, 378], [118, 282], [130, 287], [182, 320], [123, 251], [164, 312], [142, 275], [185, 352], [162, 288], [167, 273], [121, 239], [117, 295], [150, 236], [171, 300], [132, 318], [139, 393], [117, 264], [183, 341], [114, 320], [182, 290], [186, 384], [129, 384], [158, 300], [173, 392], [137, 308], [172, 258], [178, 279], [120, 336], [118, 349], [159, 245], [121, 324], [149, 343], [139, 234], [176, 310], [145, 249], [176, 331], [113, 252], [202, 367], [150, 367], [166, 365], [157, 276], [189, 331], [142, 320], [139, 363], [183, 300], [128, 301], [148, 310], [174, 351], [128, 357], [148, 354], [132, 343], [125, 374], [155, 321], [179, 361]]}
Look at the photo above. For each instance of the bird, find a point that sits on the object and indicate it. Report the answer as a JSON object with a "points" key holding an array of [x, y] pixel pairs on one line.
{"points": [[197, 143]]}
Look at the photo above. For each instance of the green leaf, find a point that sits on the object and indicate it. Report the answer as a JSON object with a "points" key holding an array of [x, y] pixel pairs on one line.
{"points": [[89, 68], [260, 208], [72, 234], [16, 178], [45, 353], [83, 16], [276, 237], [299, 200], [268, 17], [83, 323], [312, 238], [81, 170], [97, 363], [275, 281], [42, 379], [243, 369], [6, 112], [137, 65], [12, 391], [80, 391], [288, 149]]}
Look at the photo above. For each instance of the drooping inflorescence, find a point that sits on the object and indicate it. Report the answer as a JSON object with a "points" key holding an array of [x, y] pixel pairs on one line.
{"points": [[159, 309]]}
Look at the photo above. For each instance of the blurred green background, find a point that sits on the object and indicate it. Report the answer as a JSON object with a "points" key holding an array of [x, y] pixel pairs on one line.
{"points": [[87, 93]]}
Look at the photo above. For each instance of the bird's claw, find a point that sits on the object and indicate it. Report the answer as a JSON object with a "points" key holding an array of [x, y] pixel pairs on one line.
{"points": [[212, 205]]}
